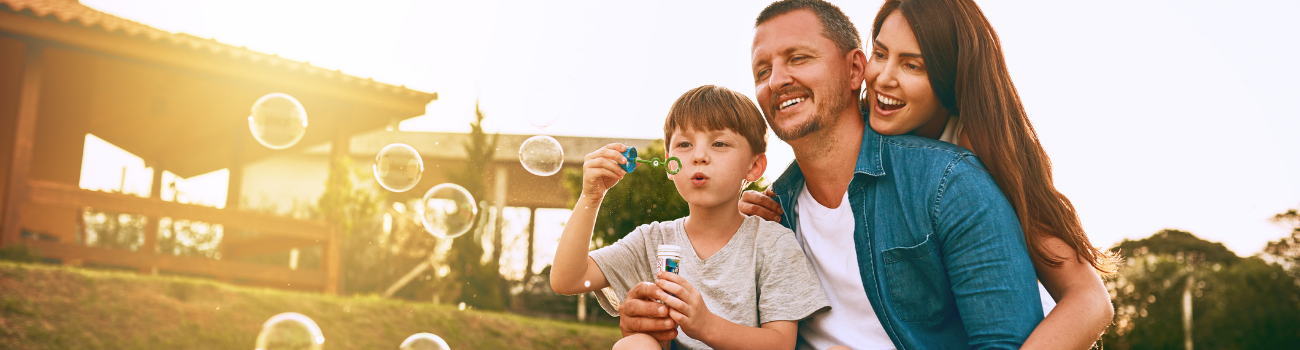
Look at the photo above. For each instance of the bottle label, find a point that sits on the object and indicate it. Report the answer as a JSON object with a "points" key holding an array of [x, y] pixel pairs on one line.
{"points": [[668, 264]]}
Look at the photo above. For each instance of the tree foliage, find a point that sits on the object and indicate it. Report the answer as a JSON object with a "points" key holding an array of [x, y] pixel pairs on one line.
{"points": [[643, 196], [1286, 251], [1237, 303], [479, 284]]}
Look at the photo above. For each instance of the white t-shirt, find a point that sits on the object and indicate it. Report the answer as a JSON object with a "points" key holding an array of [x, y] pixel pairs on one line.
{"points": [[850, 321]]}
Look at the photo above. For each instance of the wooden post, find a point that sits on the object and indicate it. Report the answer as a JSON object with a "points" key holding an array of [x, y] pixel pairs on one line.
{"points": [[235, 185], [29, 94], [151, 222], [532, 228], [499, 199], [340, 148], [1187, 311]]}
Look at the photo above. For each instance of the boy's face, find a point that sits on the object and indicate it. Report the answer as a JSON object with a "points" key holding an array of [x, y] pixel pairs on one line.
{"points": [[715, 165]]}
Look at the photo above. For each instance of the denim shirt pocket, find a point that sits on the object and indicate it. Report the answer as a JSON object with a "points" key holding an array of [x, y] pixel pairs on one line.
{"points": [[917, 282]]}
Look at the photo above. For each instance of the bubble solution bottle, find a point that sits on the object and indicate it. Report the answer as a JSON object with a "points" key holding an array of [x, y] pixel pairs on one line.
{"points": [[670, 257]]}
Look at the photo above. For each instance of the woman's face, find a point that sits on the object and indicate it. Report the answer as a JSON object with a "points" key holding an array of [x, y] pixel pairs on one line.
{"points": [[897, 85]]}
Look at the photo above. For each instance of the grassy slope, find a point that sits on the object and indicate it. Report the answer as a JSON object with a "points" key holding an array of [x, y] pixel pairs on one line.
{"points": [[49, 307]]}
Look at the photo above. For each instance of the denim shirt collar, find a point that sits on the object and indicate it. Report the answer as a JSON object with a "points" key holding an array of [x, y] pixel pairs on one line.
{"points": [[787, 186]]}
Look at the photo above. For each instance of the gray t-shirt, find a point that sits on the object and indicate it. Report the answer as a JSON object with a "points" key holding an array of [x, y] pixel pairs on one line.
{"points": [[759, 276]]}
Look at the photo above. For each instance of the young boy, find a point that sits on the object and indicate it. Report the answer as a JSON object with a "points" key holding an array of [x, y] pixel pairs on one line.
{"points": [[751, 282]]}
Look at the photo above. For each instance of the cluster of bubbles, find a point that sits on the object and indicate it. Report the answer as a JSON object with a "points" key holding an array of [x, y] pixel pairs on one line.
{"points": [[295, 331], [278, 121]]}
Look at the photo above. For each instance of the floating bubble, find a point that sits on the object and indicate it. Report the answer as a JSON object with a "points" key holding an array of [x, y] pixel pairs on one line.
{"points": [[398, 167], [290, 331], [278, 121], [541, 155], [448, 211], [543, 110], [424, 341]]}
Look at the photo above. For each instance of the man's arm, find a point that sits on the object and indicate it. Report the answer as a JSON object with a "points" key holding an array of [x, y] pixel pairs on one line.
{"points": [[640, 313], [985, 256]]}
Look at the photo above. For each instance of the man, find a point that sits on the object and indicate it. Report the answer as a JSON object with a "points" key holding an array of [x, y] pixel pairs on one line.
{"points": [[913, 242]]}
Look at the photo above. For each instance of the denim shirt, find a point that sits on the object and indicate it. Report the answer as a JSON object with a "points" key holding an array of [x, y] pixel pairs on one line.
{"points": [[941, 253]]}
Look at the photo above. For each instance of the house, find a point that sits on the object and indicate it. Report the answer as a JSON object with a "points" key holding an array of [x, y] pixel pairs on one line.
{"points": [[179, 102]]}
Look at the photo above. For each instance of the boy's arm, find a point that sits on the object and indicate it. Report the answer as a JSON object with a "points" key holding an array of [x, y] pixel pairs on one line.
{"points": [[574, 271], [987, 262], [687, 308]]}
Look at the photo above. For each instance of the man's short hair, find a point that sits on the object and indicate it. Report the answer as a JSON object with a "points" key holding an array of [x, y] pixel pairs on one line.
{"points": [[835, 24], [709, 108]]}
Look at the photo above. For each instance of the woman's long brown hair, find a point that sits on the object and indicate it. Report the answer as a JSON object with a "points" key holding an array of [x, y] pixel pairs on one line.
{"points": [[963, 58]]}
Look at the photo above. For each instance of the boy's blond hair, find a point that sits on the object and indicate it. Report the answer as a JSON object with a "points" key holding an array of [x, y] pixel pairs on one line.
{"points": [[709, 108]]}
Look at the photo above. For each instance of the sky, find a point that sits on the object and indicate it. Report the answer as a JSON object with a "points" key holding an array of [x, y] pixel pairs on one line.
{"points": [[1156, 114]]}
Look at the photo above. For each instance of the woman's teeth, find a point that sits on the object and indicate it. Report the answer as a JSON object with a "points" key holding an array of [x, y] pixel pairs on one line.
{"points": [[791, 102], [889, 104]]}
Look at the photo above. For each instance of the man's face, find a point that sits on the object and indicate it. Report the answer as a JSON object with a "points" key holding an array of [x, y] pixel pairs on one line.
{"points": [[803, 81]]}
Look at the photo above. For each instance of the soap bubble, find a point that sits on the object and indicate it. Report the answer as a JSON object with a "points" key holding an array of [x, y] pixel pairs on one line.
{"points": [[448, 211], [424, 341], [290, 331], [398, 167], [541, 155], [543, 110], [543, 118], [278, 121]]}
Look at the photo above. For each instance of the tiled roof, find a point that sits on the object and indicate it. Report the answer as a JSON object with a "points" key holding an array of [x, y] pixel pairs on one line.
{"points": [[72, 12]]}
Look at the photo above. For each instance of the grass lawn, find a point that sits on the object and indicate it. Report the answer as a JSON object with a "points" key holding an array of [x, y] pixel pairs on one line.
{"points": [[52, 307]]}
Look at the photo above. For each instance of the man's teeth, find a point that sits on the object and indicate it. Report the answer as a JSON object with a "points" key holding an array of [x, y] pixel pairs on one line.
{"points": [[791, 102], [888, 101]]}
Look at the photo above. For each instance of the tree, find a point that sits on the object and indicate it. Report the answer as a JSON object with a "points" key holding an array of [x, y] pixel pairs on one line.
{"points": [[479, 284], [643, 196], [1238, 303], [1286, 251], [353, 210]]}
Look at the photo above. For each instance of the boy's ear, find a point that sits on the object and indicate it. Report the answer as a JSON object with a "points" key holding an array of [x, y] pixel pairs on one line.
{"points": [[756, 170]]}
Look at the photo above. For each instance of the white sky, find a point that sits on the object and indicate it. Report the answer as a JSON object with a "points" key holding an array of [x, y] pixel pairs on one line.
{"points": [[1157, 114]]}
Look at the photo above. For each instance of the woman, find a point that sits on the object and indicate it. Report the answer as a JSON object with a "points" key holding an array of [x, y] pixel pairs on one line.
{"points": [[936, 70], [944, 77]]}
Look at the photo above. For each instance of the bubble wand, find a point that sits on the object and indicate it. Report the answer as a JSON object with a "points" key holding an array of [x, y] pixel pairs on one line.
{"points": [[632, 159]]}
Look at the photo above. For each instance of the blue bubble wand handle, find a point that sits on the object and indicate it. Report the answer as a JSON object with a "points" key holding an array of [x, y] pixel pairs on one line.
{"points": [[632, 160]]}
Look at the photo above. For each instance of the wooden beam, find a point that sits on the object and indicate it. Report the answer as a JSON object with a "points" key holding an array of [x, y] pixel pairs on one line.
{"points": [[233, 248], [332, 264], [220, 269], [29, 94], [63, 195]]}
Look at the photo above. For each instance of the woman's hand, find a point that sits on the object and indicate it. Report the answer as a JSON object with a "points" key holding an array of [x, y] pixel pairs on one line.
{"points": [[761, 205], [600, 170], [687, 306]]}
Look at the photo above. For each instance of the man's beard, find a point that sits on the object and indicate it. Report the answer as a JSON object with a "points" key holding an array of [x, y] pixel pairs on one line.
{"points": [[836, 100]]}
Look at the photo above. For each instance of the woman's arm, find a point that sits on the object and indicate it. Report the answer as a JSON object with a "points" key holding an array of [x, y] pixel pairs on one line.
{"points": [[1083, 309]]}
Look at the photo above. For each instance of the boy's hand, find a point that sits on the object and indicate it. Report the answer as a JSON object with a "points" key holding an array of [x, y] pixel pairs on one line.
{"points": [[600, 170], [687, 308]]}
